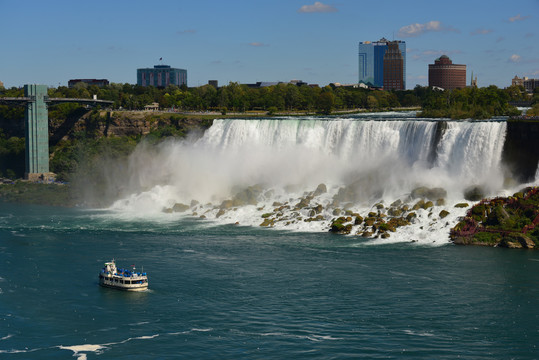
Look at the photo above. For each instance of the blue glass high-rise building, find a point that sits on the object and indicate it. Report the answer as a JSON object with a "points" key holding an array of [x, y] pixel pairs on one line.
{"points": [[371, 61]]}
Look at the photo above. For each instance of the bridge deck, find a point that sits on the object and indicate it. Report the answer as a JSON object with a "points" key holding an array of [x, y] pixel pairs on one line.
{"points": [[52, 101]]}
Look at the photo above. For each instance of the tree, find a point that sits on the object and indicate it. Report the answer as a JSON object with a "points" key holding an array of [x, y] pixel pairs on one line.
{"points": [[372, 102], [326, 101]]}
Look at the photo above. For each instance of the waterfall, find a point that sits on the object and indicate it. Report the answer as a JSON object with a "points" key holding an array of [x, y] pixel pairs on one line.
{"points": [[467, 153], [360, 161]]}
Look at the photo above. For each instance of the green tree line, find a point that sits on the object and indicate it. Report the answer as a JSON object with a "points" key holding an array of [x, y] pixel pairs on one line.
{"points": [[287, 97]]}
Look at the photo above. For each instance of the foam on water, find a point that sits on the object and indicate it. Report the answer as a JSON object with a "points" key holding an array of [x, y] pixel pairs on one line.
{"points": [[287, 158]]}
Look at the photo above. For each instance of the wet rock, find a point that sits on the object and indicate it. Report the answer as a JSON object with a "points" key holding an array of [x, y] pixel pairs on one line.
{"points": [[428, 204], [220, 213], [304, 202], [397, 222], [369, 221], [178, 207], [339, 226], [462, 205], [321, 189], [474, 193], [318, 209], [194, 203], [419, 205], [394, 212], [517, 241], [282, 208], [443, 214], [396, 203], [411, 216], [268, 222], [525, 241]]}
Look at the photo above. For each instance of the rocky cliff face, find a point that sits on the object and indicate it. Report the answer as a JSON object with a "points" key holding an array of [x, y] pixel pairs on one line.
{"points": [[106, 123], [521, 149], [124, 123]]}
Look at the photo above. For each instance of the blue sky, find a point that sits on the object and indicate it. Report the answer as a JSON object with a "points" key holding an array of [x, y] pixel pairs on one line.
{"points": [[50, 42]]}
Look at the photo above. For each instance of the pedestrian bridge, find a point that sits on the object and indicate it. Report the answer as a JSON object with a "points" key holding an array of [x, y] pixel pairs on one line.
{"points": [[36, 130]]}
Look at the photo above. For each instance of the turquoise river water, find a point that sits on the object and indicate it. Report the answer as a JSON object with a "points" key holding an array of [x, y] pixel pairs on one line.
{"points": [[238, 292]]}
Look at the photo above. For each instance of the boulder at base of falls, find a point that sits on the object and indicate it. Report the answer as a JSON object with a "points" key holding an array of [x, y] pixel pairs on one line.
{"points": [[443, 214], [321, 189], [178, 207], [474, 193], [338, 226]]}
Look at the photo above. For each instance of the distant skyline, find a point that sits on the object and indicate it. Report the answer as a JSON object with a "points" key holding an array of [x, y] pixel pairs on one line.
{"points": [[247, 41]]}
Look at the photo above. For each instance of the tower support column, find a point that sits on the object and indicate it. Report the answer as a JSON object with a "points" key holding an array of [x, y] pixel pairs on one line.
{"points": [[37, 133]]}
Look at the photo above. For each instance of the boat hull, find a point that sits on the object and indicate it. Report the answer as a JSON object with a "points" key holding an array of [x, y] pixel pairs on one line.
{"points": [[121, 284]]}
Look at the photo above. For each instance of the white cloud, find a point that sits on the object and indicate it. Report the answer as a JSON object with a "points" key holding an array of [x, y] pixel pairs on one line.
{"points": [[515, 58], [417, 29], [481, 32], [317, 7], [518, 18]]}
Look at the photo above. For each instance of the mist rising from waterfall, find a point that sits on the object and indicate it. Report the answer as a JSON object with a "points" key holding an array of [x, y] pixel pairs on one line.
{"points": [[383, 159]]}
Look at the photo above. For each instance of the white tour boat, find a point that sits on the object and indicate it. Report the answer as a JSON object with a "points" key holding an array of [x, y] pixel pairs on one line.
{"points": [[122, 279]]}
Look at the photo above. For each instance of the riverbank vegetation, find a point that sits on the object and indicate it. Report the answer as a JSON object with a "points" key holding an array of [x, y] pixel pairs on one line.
{"points": [[504, 221], [470, 103]]}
